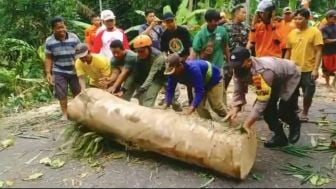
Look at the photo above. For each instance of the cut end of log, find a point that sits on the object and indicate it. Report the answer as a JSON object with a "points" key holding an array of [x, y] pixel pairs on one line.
{"points": [[248, 153]]}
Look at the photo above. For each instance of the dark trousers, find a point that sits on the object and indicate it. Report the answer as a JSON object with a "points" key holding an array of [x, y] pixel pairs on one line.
{"points": [[285, 111]]}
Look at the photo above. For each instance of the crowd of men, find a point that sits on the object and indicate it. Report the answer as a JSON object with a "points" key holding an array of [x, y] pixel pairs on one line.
{"points": [[277, 55]]}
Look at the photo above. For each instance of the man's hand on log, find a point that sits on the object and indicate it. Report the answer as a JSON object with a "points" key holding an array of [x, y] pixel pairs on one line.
{"points": [[249, 130], [189, 111], [232, 114]]}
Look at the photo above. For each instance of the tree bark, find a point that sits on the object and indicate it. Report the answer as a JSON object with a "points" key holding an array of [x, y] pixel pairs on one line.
{"points": [[191, 139]]}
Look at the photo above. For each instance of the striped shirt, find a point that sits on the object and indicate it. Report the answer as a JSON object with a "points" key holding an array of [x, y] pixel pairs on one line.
{"points": [[63, 53]]}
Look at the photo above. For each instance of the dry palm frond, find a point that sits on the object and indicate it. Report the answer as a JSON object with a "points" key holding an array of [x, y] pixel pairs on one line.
{"points": [[84, 9]]}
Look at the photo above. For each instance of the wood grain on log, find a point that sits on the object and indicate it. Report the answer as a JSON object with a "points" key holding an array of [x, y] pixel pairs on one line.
{"points": [[202, 142]]}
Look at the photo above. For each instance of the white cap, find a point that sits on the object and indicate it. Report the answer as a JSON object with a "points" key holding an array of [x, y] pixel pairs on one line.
{"points": [[107, 15], [263, 5]]}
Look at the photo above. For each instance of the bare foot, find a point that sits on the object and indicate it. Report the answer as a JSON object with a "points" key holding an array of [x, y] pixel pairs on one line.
{"points": [[64, 118]]}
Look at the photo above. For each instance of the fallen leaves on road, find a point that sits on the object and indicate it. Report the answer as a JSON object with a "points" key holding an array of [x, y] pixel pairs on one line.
{"points": [[7, 142], [333, 162], [306, 173], [34, 176], [56, 163], [257, 176], [116, 155], [6, 184], [207, 183]]}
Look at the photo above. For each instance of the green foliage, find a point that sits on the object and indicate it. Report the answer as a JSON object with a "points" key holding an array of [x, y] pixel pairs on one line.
{"points": [[21, 61]]}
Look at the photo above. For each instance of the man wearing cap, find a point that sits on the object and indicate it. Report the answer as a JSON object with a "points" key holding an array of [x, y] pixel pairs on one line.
{"points": [[175, 38], [274, 79], [286, 26], [152, 28], [149, 58], [201, 75], [265, 31], [59, 62], [329, 48], [105, 36], [93, 65], [304, 47]]}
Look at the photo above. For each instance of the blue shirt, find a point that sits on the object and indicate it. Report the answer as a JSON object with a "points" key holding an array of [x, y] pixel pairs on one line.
{"points": [[63, 53], [194, 76]]}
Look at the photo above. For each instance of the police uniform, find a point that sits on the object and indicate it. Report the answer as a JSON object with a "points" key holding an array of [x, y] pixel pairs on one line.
{"points": [[274, 79]]}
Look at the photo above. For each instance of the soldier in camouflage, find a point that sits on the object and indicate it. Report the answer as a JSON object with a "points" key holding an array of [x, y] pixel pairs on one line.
{"points": [[238, 35]]}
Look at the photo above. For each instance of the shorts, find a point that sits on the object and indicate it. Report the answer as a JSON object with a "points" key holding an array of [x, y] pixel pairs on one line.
{"points": [[329, 63], [61, 82], [307, 84]]}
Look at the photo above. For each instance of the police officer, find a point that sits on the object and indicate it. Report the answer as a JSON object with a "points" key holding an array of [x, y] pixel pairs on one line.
{"points": [[275, 80]]}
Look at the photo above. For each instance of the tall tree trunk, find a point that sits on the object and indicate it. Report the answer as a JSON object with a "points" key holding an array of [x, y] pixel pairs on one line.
{"points": [[202, 142], [190, 6]]}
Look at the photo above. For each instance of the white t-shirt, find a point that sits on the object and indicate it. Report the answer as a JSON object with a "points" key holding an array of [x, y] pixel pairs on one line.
{"points": [[107, 38]]}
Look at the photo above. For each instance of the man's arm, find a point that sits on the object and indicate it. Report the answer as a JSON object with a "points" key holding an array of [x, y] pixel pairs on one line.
{"points": [[157, 66], [120, 79], [288, 54], [114, 75], [227, 53], [318, 55], [197, 83], [238, 98], [196, 46], [170, 90], [329, 40], [148, 29], [226, 48], [82, 82], [47, 68]]}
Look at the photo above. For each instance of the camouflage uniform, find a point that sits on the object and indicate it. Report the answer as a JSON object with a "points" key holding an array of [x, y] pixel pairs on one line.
{"points": [[238, 37]]}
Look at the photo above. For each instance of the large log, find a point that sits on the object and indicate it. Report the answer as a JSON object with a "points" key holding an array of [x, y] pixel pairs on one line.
{"points": [[202, 142]]}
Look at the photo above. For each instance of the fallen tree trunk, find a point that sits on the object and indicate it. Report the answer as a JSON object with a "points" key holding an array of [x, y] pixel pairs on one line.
{"points": [[205, 143]]}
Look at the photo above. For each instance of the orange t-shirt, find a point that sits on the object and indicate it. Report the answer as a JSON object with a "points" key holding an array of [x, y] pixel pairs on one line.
{"points": [[284, 29], [90, 34], [264, 37]]}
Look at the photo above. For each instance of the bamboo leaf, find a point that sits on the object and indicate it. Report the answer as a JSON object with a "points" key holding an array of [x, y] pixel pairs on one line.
{"points": [[333, 162], [257, 176], [57, 163], [9, 183], [6, 143], [313, 141], [34, 176], [208, 182], [299, 176], [46, 161]]}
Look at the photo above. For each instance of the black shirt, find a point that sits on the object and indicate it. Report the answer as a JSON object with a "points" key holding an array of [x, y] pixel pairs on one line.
{"points": [[178, 41], [329, 32]]}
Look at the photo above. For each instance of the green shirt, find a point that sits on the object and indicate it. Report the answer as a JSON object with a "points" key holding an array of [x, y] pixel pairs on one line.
{"points": [[220, 37], [129, 60]]}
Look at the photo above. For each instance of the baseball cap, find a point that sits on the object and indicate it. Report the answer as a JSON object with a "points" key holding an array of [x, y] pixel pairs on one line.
{"points": [[168, 16], [331, 13], [81, 50], [238, 56], [263, 5], [287, 10], [107, 15], [171, 62]]}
